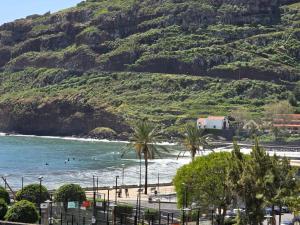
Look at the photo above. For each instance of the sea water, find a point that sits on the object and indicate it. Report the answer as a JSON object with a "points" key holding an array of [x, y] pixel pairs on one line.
{"points": [[72, 160]]}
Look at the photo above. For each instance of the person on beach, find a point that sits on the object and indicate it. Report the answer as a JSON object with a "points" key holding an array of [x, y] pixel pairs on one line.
{"points": [[126, 192]]}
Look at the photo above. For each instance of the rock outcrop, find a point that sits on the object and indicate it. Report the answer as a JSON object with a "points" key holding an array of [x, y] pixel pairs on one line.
{"points": [[58, 118]]}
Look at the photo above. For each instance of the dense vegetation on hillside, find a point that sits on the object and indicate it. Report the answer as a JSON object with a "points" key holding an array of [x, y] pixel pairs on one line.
{"points": [[104, 63]]}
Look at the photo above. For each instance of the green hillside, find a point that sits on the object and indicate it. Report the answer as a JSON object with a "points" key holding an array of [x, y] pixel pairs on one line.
{"points": [[106, 63]]}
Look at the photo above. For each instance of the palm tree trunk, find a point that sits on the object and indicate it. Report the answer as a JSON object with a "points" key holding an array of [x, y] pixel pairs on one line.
{"points": [[146, 175]]}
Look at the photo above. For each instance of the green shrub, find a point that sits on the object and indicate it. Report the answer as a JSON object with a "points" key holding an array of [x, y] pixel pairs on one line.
{"points": [[69, 192], [23, 211], [4, 195], [31, 193], [123, 209], [3, 208], [151, 214]]}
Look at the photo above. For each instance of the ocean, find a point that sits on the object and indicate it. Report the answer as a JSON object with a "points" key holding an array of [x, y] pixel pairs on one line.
{"points": [[72, 160]]}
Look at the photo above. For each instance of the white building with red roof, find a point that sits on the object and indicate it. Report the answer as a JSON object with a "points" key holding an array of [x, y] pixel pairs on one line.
{"points": [[213, 122]]}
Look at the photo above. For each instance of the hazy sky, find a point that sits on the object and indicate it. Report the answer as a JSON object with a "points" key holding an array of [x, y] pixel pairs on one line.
{"points": [[16, 9]]}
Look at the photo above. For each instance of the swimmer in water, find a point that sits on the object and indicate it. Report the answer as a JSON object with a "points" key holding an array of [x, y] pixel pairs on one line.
{"points": [[47, 164]]}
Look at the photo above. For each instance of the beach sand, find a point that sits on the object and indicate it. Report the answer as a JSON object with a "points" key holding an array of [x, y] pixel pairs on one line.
{"points": [[132, 193]]}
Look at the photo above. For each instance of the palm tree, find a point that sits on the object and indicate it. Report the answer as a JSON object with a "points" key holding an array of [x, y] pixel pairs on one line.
{"points": [[194, 138], [144, 141]]}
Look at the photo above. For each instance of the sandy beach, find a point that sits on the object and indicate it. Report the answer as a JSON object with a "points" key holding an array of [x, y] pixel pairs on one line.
{"points": [[132, 193]]}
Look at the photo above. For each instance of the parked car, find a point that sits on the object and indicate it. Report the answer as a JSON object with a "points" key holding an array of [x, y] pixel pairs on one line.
{"points": [[268, 211], [230, 215], [287, 222], [285, 209]]}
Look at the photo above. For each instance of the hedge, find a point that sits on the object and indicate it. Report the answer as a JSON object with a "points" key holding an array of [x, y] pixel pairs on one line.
{"points": [[23, 211]]}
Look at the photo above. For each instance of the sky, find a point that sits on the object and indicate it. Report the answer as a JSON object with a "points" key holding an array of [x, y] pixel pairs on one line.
{"points": [[15, 9]]}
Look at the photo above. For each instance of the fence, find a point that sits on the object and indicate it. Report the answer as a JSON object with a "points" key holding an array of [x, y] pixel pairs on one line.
{"points": [[57, 214]]}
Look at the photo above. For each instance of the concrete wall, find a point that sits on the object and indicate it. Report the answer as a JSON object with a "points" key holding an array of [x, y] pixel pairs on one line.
{"points": [[12, 223]]}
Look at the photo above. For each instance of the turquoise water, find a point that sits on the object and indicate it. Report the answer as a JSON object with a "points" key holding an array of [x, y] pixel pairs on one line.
{"points": [[62, 161]]}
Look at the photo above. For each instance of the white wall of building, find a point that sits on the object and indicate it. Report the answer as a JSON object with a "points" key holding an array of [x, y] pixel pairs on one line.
{"points": [[213, 123]]}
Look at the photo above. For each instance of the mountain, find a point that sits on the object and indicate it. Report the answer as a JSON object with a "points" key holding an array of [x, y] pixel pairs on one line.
{"points": [[95, 68]]}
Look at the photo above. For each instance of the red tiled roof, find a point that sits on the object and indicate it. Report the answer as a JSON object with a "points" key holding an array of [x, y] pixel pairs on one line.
{"points": [[216, 117], [201, 120], [287, 125], [294, 116]]}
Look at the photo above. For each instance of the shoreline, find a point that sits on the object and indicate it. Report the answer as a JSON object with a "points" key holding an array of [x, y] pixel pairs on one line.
{"points": [[77, 138]]}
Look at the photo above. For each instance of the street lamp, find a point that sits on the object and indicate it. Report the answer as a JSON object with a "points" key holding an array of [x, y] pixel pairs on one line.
{"points": [[116, 190], [185, 210], [184, 205], [113, 213], [22, 183], [123, 174], [194, 206], [108, 205], [212, 214], [40, 200], [49, 202]]}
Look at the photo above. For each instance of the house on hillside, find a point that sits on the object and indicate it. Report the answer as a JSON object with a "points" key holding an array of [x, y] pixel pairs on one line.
{"points": [[291, 122], [213, 122]]}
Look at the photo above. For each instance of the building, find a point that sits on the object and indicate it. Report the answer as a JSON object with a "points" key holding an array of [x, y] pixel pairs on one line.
{"points": [[213, 122], [289, 122]]}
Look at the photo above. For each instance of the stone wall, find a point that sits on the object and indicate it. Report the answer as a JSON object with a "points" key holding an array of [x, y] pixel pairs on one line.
{"points": [[12, 223]]}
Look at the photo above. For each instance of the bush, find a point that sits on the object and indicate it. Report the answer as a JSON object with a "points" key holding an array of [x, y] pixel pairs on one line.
{"points": [[151, 214], [23, 211], [4, 195], [3, 208], [31, 193], [69, 192], [122, 210]]}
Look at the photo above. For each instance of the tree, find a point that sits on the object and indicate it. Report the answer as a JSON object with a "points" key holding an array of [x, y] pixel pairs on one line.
{"points": [[260, 180], [3, 209], [69, 192], [241, 116], [253, 178], [194, 139], [280, 183], [144, 141], [23, 211], [274, 109], [32, 193], [4, 195], [205, 182]]}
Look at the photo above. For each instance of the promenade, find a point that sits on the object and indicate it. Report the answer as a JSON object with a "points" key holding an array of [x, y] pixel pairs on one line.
{"points": [[133, 192]]}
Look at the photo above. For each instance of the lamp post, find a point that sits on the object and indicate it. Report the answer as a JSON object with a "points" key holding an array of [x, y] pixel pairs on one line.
{"points": [[212, 214], [158, 182], [50, 219], [184, 205], [94, 207], [184, 211], [140, 190], [194, 206], [113, 213], [40, 200], [116, 190], [123, 174], [107, 215]]}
